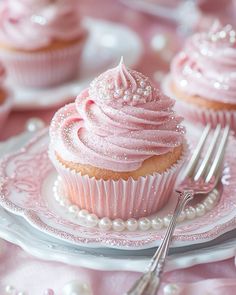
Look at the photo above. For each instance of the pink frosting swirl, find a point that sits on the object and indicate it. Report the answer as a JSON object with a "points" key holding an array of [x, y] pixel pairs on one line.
{"points": [[117, 123], [33, 24], [207, 65]]}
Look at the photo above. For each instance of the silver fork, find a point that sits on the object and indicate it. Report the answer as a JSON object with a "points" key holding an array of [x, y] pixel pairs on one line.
{"points": [[200, 177]]}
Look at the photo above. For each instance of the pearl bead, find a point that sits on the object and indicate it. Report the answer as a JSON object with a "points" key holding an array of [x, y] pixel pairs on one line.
{"points": [[213, 196], [9, 289], [208, 203], [64, 203], [118, 224], [83, 214], [105, 223], [49, 292], [34, 124], [73, 210], [92, 220], [157, 223], [171, 289], [144, 223], [76, 288], [200, 210], [57, 197], [181, 216], [132, 224], [146, 93], [167, 219], [190, 213]]}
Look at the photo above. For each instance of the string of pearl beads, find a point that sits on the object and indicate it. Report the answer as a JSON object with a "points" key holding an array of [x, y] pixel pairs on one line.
{"points": [[155, 222]]}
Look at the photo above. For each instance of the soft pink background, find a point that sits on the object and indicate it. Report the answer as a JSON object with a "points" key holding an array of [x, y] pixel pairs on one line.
{"points": [[34, 276]]}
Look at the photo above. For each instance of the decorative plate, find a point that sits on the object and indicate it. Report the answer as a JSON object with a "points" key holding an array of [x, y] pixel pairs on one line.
{"points": [[106, 44], [27, 179], [17, 230]]}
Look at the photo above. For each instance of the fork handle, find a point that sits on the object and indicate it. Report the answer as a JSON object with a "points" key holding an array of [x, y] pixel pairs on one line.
{"points": [[158, 259], [149, 282]]}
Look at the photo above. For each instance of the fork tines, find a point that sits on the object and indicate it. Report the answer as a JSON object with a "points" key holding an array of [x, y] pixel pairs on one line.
{"points": [[212, 156]]}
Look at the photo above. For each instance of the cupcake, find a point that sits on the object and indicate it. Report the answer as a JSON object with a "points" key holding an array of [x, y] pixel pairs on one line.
{"points": [[5, 99], [203, 77], [119, 147], [40, 41]]}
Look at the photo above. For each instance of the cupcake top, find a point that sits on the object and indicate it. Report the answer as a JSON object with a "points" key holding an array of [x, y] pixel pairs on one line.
{"points": [[33, 24], [207, 65], [117, 123]]}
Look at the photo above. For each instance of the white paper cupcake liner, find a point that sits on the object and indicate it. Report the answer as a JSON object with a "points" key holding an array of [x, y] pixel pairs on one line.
{"points": [[42, 68], [196, 114], [122, 198], [5, 109], [204, 116]]}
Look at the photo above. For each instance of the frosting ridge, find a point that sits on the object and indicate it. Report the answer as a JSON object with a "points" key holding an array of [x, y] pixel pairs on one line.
{"points": [[106, 130], [207, 65]]}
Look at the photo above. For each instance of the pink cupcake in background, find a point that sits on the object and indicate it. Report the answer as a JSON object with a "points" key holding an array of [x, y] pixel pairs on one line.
{"points": [[203, 77], [41, 41], [6, 100], [119, 147]]}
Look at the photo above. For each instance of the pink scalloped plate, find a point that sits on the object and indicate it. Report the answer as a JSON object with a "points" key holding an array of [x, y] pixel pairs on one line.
{"points": [[27, 179]]}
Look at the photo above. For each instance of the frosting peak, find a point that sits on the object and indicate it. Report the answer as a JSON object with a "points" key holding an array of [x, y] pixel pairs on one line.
{"points": [[207, 65], [104, 129], [123, 86]]}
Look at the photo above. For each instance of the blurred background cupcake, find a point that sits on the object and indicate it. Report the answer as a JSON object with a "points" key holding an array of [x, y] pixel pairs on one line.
{"points": [[203, 77], [41, 41], [6, 100], [119, 147]]}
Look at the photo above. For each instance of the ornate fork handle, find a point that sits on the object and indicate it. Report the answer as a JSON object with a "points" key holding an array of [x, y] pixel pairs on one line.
{"points": [[149, 282]]}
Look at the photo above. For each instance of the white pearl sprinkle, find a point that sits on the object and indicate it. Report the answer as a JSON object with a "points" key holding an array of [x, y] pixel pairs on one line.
{"points": [[110, 87], [105, 223], [132, 224], [136, 97], [118, 224], [144, 223], [171, 289], [142, 84], [157, 223], [146, 93], [126, 98]]}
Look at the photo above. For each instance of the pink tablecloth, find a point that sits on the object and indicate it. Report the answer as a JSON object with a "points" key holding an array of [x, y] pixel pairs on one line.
{"points": [[34, 276]]}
